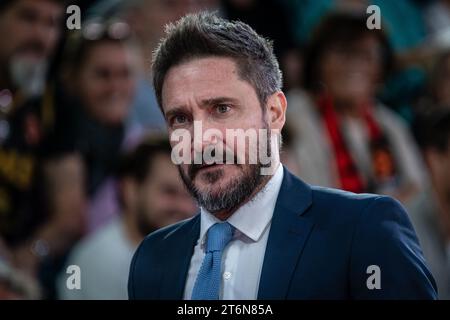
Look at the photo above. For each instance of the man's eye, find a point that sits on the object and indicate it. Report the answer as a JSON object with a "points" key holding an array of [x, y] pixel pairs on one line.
{"points": [[179, 119], [223, 108]]}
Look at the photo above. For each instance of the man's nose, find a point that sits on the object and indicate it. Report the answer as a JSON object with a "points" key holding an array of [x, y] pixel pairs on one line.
{"points": [[205, 133]]}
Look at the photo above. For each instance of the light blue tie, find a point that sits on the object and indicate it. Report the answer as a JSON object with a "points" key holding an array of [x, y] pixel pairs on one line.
{"points": [[208, 280]]}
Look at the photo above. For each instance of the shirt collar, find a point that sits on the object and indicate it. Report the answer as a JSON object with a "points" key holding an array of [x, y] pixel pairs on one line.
{"points": [[253, 217]]}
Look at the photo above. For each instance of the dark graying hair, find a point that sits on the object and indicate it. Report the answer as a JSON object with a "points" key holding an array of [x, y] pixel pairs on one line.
{"points": [[205, 34]]}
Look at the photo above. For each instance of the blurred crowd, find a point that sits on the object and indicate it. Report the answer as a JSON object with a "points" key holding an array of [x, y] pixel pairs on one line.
{"points": [[85, 169]]}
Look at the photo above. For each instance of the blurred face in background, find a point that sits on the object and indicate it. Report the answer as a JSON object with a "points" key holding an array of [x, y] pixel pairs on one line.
{"points": [[351, 71], [30, 30], [160, 199], [105, 81]]}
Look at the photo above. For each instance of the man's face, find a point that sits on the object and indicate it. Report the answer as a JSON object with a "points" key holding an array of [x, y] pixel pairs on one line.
{"points": [[30, 28], [161, 199], [106, 81], [210, 90], [350, 73]]}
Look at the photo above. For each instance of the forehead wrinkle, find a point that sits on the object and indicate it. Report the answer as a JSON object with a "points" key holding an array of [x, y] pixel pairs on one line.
{"points": [[199, 81]]}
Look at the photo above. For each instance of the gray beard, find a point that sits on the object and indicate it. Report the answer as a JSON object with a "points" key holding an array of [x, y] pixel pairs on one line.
{"points": [[232, 196], [235, 194]]}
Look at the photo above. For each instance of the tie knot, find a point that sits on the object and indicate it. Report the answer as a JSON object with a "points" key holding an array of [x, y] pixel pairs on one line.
{"points": [[219, 235]]}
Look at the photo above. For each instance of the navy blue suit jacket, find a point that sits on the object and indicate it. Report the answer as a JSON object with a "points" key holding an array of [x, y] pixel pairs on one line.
{"points": [[320, 244]]}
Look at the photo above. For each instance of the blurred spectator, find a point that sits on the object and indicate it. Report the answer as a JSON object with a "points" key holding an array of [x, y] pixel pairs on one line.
{"points": [[152, 196], [346, 139], [99, 76], [30, 31], [147, 19], [432, 222], [402, 19], [405, 30], [60, 199]]}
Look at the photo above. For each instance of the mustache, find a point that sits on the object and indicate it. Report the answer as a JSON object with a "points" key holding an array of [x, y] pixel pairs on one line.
{"points": [[194, 168]]}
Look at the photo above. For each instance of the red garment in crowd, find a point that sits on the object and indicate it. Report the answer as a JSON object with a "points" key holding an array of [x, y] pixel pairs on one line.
{"points": [[349, 177]]}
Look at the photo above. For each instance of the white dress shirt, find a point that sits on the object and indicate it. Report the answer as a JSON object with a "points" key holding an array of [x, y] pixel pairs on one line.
{"points": [[243, 258]]}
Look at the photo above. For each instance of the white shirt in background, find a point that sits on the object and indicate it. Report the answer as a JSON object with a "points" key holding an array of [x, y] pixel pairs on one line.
{"points": [[104, 258]]}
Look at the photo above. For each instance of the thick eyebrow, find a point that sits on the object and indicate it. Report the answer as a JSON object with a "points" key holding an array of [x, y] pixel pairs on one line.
{"points": [[203, 104], [218, 100]]}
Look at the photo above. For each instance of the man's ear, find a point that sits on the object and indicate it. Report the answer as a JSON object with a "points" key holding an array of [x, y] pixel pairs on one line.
{"points": [[276, 110]]}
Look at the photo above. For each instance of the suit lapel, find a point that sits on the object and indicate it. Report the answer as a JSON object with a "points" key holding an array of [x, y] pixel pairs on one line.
{"points": [[288, 235], [177, 261]]}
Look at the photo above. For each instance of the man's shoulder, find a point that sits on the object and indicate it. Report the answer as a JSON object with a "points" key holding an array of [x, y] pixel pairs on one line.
{"points": [[335, 206], [337, 197], [162, 235], [348, 205]]}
